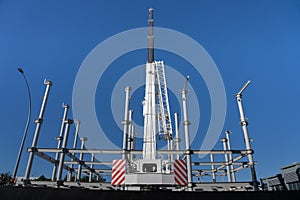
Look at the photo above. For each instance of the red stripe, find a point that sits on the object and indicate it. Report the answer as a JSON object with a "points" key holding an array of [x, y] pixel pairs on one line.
{"points": [[117, 178], [181, 169], [119, 168], [117, 163], [178, 177], [178, 181], [121, 181], [118, 172], [180, 172], [181, 164]]}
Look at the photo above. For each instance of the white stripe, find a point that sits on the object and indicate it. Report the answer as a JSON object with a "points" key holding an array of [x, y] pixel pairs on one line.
{"points": [[181, 169], [119, 171]]}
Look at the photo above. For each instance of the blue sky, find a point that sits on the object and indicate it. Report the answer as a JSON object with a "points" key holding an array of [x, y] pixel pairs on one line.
{"points": [[247, 40]]}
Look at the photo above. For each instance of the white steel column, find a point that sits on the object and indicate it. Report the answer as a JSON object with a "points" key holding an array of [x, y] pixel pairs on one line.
{"points": [[59, 180], [125, 122], [177, 138], [149, 113], [244, 124], [77, 124], [230, 156], [186, 124], [224, 141], [83, 140], [38, 122], [60, 137], [213, 171]]}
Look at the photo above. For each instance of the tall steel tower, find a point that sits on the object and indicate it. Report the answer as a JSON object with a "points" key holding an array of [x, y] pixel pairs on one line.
{"points": [[149, 105]]}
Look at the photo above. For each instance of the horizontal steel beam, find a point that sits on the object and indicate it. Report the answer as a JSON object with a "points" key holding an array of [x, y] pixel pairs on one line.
{"points": [[116, 151], [89, 162], [52, 160]]}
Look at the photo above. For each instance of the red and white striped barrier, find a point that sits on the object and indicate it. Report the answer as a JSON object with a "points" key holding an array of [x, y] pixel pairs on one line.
{"points": [[118, 172], [180, 172]]}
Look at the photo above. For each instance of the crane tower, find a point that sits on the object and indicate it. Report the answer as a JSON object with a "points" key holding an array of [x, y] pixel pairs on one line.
{"points": [[149, 170]]}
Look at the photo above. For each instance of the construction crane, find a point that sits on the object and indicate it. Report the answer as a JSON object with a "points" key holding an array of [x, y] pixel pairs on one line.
{"points": [[150, 170]]}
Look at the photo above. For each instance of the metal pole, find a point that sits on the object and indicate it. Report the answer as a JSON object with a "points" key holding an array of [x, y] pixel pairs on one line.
{"points": [[77, 124], [92, 166], [133, 140], [244, 125], [125, 122], [83, 140], [186, 124], [38, 122], [129, 138], [213, 171], [27, 124], [177, 138], [59, 139], [59, 180], [224, 140], [230, 155]]}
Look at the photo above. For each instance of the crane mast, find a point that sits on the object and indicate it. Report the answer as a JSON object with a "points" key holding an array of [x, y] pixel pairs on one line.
{"points": [[155, 111], [151, 170]]}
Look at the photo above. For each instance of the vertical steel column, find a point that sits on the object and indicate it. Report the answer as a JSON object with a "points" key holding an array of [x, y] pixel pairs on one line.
{"points": [[177, 138], [59, 139], [125, 122], [230, 156], [59, 180], [83, 140], [92, 166], [133, 140], [77, 124], [186, 124], [224, 140], [213, 171], [129, 138], [38, 122], [244, 125]]}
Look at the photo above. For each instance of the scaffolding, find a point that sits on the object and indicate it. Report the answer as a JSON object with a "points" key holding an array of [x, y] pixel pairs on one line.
{"points": [[72, 159]]}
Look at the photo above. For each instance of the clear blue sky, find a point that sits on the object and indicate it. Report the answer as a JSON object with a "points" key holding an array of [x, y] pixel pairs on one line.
{"points": [[247, 40]]}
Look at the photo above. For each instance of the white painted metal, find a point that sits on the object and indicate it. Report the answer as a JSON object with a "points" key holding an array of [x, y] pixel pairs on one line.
{"points": [[230, 155], [125, 122], [224, 141], [213, 171], [177, 138], [77, 125], [149, 112], [60, 137], [38, 122], [83, 140], [186, 124], [164, 115], [244, 124], [62, 154]]}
